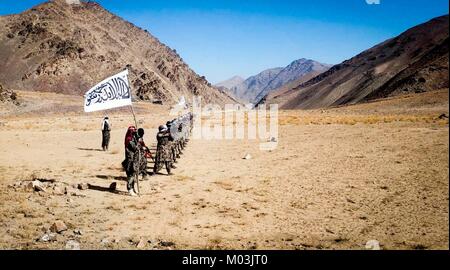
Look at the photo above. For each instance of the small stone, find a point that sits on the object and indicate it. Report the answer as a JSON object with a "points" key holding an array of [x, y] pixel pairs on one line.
{"points": [[104, 241], [45, 238], [77, 194], [247, 156], [57, 190], [141, 245], [72, 245], [72, 192], [48, 237], [28, 187], [83, 186], [78, 232], [58, 227], [37, 185], [373, 245], [166, 244]]}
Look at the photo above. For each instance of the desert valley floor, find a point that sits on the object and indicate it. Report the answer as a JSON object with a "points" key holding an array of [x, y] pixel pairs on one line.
{"points": [[339, 178]]}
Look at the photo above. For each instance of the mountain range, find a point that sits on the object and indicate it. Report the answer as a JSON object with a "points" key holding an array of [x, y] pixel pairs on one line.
{"points": [[68, 48], [256, 87], [413, 62]]}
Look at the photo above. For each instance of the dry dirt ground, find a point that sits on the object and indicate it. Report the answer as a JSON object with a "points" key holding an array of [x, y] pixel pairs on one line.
{"points": [[338, 178]]}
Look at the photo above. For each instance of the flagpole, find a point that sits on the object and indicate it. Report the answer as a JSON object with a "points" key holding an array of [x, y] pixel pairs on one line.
{"points": [[134, 116]]}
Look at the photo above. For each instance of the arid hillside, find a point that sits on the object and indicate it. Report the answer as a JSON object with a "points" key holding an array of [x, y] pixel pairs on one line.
{"points": [[67, 48], [414, 62]]}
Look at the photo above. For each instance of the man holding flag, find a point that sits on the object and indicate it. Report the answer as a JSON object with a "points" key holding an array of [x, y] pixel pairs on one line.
{"points": [[115, 92]]}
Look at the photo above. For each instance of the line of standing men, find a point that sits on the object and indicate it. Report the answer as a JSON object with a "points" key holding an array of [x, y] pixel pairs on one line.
{"points": [[172, 139]]}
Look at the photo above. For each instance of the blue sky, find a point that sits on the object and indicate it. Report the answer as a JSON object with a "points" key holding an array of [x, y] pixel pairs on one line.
{"points": [[223, 38]]}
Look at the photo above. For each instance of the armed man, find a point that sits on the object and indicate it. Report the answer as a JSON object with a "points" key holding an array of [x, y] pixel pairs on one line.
{"points": [[172, 144], [163, 150], [135, 162]]}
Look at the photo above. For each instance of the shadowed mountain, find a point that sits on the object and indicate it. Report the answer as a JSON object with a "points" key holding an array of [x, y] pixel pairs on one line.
{"points": [[415, 61]]}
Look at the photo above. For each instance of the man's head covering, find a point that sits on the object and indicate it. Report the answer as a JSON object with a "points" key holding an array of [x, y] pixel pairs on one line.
{"points": [[130, 133], [106, 118], [162, 128], [141, 132]]}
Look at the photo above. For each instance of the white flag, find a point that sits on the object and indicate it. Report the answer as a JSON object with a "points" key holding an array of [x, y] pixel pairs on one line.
{"points": [[111, 93]]}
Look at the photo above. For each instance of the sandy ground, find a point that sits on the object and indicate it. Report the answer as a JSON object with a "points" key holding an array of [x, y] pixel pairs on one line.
{"points": [[338, 178]]}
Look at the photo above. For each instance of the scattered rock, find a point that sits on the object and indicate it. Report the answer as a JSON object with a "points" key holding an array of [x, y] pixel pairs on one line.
{"points": [[58, 190], [141, 245], [373, 245], [83, 186], [58, 227], [104, 241], [272, 139], [71, 192], [166, 244], [48, 237], [113, 186], [37, 186], [29, 187], [247, 156], [78, 232], [72, 245], [443, 116]]}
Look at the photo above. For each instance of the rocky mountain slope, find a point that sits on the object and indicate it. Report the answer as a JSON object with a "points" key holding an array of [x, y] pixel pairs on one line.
{"points": [[230, 83], [68, 48], [256, 87], [249, 89], [295, 71], [415, 61]]}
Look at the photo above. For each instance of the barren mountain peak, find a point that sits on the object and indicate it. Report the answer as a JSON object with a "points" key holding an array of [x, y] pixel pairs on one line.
{"points": [[68, 46]]}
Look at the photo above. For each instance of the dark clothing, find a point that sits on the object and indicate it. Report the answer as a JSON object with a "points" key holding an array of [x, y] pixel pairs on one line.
{"points": [[163, 152], [135, 160], [164, 143], [106, 135]]}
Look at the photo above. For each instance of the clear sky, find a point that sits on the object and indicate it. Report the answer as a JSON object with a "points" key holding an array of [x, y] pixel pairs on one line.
{"points": [[223, 38]]}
